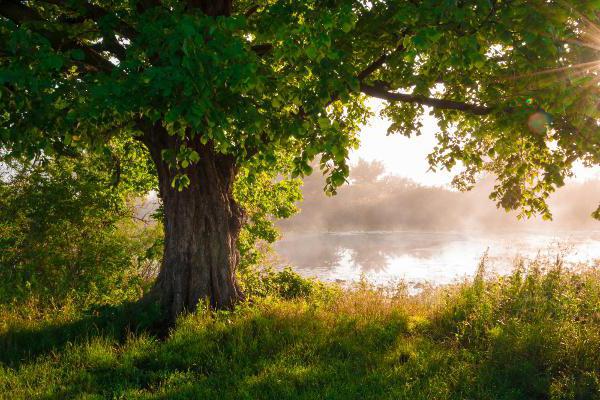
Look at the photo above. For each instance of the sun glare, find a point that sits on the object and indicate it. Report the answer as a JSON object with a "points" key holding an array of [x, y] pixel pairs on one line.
{"points": [[588, 36]]}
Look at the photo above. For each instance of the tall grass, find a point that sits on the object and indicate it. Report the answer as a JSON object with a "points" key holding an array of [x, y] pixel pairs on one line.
{"points": [[534, 334]]}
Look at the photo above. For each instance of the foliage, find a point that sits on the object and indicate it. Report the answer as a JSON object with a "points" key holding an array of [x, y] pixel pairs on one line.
{"points": [[67, 233], [266, 196], [532, 334], [259, 77], [285, 284]]}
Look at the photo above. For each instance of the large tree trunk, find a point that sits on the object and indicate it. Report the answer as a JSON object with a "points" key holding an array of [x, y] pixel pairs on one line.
{"points": [[202, 224]]}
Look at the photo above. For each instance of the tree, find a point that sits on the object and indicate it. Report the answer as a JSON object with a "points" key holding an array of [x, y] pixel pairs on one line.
{"points": [[210, 87], [367, 171]]}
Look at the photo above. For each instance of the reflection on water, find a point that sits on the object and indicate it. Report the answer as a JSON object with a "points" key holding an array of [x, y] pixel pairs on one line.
{"points": [[417, 257]]}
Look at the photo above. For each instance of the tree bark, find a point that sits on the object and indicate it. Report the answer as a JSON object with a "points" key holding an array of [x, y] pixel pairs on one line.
{"points": [[202, 225]]}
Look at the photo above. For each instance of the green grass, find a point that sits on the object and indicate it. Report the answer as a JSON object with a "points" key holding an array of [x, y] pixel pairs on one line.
{"points": [[532, 335]]}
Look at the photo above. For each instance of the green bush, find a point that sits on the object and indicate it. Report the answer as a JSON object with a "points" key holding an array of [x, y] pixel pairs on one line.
{"points": [[285, 284], [66, 234]]}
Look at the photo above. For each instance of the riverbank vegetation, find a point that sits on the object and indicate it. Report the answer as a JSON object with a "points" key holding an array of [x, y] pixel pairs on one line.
{"points": [[532, 334], [375, 200]]}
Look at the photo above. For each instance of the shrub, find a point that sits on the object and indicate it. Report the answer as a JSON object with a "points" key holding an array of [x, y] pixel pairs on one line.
{"points": [[66, 234], [285, 284]]}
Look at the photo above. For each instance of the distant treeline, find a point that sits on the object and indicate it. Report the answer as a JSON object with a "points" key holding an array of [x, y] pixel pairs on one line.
{"points": [[374, 201]]}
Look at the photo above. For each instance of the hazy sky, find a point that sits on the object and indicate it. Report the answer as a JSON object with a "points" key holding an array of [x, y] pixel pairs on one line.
{"points": [[408, 156]]}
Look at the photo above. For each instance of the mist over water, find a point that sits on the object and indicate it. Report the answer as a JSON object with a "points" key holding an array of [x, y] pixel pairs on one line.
{"points": [[426, 257], [387, 228]]}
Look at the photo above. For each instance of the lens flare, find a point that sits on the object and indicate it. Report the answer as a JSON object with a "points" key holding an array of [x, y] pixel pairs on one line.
{"points": [[538, 122], [581, 70]]}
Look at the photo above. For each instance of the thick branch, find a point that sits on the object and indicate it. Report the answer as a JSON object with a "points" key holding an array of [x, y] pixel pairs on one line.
{"points": [[96, 13], [212, 8], [95, 59], [144, 5], [382, 93], [262, 49], [110, 44], [249, 12], [17, 12]]}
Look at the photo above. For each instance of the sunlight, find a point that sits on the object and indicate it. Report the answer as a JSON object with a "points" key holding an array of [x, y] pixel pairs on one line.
{"points": [[589, 37]]}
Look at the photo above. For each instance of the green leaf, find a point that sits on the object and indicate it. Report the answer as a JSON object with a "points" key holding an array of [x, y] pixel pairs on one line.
{"points": [[78, 54], [312, 52], [306, 169], [53, 61], [323, 122], [337, 179], [194, 156]]}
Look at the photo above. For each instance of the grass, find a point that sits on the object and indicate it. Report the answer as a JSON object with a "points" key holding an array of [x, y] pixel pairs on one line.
{"points": [[532, 335]]}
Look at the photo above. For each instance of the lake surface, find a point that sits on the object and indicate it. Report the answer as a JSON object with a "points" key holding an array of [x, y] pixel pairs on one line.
{"points": [[425, 257]]}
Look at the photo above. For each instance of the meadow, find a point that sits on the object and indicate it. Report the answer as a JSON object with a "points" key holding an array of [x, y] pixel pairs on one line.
{"points": [[534, 334]]}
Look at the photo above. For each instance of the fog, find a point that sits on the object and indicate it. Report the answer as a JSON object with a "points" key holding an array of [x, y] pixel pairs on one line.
{"points": [[374, 201], [427, 257], [389, 228]]}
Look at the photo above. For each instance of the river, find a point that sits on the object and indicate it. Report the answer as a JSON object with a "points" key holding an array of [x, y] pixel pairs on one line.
{"points": [[426, 257]]}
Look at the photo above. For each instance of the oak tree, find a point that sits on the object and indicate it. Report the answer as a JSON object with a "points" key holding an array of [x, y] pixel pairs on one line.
{"points": [[213, 87]]}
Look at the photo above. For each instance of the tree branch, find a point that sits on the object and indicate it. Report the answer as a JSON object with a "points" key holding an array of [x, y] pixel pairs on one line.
{"points": [[95, 13], [144, 5], [21, 14], [249, 12], [378, 63], [262, 49], [17, 12], [110, 44], [384, 94]]}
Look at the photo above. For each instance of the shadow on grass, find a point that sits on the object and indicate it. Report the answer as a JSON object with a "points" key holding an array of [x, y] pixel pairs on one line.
{"points": [[249, 357], [276, 352], [23, 343]]}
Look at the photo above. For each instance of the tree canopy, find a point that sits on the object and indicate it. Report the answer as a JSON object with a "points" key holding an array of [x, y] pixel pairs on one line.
{"points": [[513, 83]]}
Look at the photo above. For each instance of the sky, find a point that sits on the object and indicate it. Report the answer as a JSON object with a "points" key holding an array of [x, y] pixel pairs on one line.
{"points": [[408, 156]]}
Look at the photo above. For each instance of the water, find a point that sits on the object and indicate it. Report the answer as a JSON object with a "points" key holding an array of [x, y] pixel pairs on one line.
{"points": [[425, 257]]}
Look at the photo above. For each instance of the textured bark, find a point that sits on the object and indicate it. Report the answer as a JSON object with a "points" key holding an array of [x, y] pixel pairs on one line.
{"points": [[202, 224]]}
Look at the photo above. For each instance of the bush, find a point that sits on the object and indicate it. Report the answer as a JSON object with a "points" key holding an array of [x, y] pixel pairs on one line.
{"points": [[66, 235], [285, 284]]}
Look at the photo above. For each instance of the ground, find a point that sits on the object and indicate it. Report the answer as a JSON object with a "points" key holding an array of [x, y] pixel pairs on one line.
{"points": [[532, 335]]}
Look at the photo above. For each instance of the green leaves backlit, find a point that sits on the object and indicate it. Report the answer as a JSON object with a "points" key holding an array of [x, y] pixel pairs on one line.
{"points": [[287, 80]]}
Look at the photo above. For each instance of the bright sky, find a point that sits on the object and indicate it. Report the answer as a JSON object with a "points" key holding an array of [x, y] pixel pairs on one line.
{"points": [[408, 156]]}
